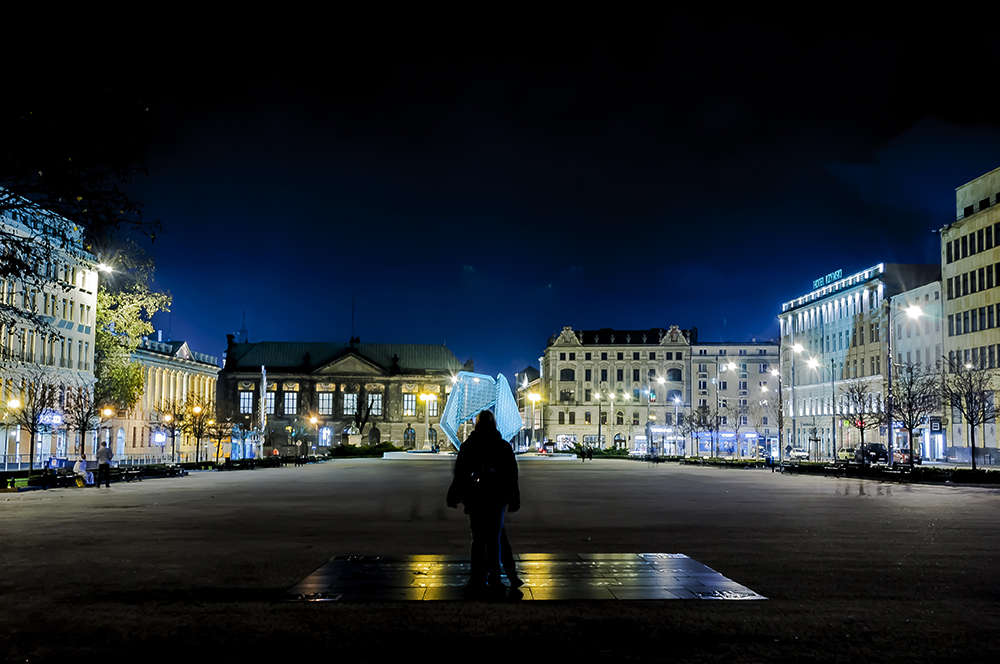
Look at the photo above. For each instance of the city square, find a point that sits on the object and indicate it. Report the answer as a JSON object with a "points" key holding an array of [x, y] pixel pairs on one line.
{"points": [[201, 564]]}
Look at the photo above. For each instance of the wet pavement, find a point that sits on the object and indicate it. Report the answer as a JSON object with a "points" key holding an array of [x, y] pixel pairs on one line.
{"points": [[546, 576]]}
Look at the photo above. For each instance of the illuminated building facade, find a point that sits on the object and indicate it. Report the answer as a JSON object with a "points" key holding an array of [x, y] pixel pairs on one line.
{"points": [[174, 377], [635, 389], [404, 386], [970, 274], [46, 327], [835, 337]]}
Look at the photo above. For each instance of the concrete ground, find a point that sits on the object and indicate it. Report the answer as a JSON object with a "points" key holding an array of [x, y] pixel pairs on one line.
{"points": [[192, 567]]}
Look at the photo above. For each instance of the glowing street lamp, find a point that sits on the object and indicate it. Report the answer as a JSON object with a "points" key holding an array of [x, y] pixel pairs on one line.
{"points": [[533, 397], [427, 399], [913, 312], [12, 405]]}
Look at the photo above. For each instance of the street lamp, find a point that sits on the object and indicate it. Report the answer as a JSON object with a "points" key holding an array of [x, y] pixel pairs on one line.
{"points": [[315, 421], [168, 418], [795, 348], [913, 312], [533, 397], [12, 405], [814, 364], [427, 399]]}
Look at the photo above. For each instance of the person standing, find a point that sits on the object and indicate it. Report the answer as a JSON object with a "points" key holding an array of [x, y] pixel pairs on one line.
{"points": [[104, 457], [486, 483]]}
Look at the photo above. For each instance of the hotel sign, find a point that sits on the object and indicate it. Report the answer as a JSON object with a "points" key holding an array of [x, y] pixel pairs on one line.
{"points": [[823, 281]]}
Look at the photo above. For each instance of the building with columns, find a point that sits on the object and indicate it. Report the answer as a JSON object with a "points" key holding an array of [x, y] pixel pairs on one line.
{"points": [[175, 378], [403, 388]]}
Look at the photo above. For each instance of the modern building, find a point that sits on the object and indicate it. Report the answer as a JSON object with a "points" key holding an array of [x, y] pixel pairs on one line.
{"points": [[834, 350], [401, 387], [46, 328], [174, 378], [970, 272], [636, 390]]}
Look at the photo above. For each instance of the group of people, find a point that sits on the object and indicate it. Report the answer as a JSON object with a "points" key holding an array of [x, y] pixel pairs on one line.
{"points": [[104, 457]]}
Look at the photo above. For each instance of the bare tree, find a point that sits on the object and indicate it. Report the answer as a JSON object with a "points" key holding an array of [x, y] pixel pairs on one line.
{"points": [[219, 429], [170, 414], [37, 403], [759, 414], [197, 414], [915, 395], [704, 419], [82, 411], [862, 408], [732, 413], [969, 390]]}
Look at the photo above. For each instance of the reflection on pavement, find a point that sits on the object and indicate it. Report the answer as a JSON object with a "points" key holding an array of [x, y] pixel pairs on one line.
{"points": [[546, 576]]}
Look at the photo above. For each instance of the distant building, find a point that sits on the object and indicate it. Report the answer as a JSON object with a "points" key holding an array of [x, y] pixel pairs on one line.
{"points": [[59, 341], [174, 377], [970, 272], [841, 327], [335, 381], [634, 390]]}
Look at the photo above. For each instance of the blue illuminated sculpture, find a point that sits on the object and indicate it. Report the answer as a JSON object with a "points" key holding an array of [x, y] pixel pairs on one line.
{"points": [[473, 393]]}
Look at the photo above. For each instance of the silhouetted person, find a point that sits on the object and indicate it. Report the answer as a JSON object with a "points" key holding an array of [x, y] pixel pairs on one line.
{"points": [[590, 454], [104, 457], [486, 482]]}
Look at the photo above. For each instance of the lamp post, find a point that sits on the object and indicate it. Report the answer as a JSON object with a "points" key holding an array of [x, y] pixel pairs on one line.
{"points": [[795, 348], [12, 405], [913, 312], [315, 421], [168, 418], [533, 397], [814, 364], [427, 399], [781, 412]]}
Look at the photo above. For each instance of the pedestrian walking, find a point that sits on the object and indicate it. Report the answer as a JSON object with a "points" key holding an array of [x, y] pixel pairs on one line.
{"points": [[486, 483], [104, 457], [590, 454]]}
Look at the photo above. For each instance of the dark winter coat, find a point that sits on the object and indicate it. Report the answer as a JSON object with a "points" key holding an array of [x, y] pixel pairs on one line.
{"points": [[489, 459]]}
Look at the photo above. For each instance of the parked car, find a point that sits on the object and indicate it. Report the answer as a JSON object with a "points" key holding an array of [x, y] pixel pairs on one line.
{"points": [[798, 454], [847, 454], [903, 456], [873, 453]]}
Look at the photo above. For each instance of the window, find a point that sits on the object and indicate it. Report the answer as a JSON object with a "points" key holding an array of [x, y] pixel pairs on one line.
{"points": [[722, 351], [587, 375], [703, 351], [743, 351], [566, 395], [562, 357], [635, 375], [572, 357], [586, 356], [586, 418], [586, 395], [635, 419], [674, 375], [326, 403], [702, 367], [291, 403], [562, 417], [762, 368], [723, 385], [604, 375], [702, 384], [635, 356], [742, 385], [620, 356], [567, 374], [409, 405], [572, 417], [246, 402], [269, 403], [620, 374], [604, 356], [375, 404], [619, 418], [652, 355], [350, 403]]}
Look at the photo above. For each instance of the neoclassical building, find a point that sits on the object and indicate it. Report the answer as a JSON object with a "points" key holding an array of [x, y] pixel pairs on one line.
{"points": [[403, 387], [57, 345], [634, 389], [174, 377]]}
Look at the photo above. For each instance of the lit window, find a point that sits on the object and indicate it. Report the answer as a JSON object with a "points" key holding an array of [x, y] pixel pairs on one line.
{"points": [[350, 403], [375, 404], [246, 402], [291, 403], [269, 403], [326, 403], [409, 405]]}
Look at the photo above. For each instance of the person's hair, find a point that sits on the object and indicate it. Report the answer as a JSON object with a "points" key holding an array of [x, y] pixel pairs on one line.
{"points": [[486, 422]]}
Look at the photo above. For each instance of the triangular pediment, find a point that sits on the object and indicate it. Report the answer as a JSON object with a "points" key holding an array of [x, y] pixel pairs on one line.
{"points": [[183, 351], [352, 365]]}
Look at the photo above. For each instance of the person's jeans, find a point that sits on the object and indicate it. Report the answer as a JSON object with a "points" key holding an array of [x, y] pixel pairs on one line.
{"points": [[486, 524], [104, 471]]}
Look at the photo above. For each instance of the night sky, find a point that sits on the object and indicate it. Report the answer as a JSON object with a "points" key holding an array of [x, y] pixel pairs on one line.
{"points": [[485, 186]]}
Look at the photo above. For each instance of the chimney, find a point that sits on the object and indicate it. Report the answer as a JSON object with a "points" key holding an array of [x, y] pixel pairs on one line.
{"points": [[159, 336]]}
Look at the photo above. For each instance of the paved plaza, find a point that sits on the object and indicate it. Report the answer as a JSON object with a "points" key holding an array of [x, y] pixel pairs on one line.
{"points": [[851, 570]]}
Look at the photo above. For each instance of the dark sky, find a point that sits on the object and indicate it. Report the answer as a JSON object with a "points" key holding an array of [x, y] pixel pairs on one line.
{"points": [[484, 184]]}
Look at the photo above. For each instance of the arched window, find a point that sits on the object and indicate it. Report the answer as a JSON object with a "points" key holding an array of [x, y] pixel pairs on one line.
{"points": [[409, 438], [619, 418], [120, 442], [567, 374], [673, 395], [619, 440], [374, 436], [674, 375], [432, 436]]}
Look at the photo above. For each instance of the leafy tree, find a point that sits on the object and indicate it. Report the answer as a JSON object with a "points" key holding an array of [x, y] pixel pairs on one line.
{"points": [[170, 414], [38, 398], [125, 306], [861, 408], [969, 390], [915, 396]]}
